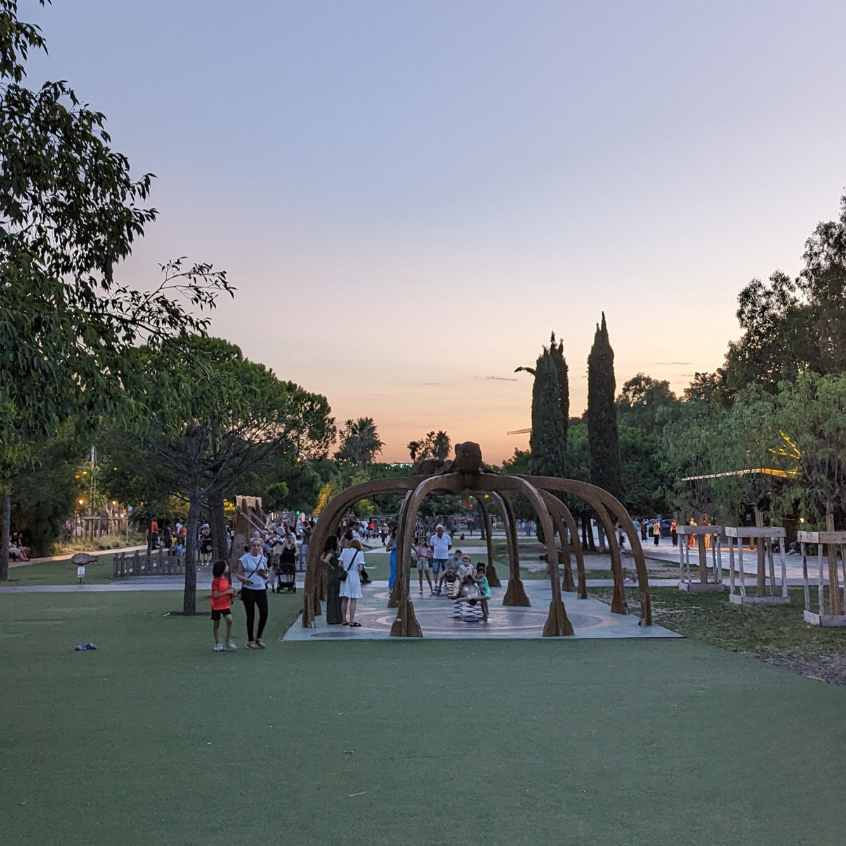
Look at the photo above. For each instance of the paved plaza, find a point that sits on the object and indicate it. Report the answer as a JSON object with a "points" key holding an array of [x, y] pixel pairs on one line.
{"points": [[590, 618]]}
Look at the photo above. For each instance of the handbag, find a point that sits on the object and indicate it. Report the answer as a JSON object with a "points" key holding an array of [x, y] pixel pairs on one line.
{"points": [[365, 576], [343, 574]]}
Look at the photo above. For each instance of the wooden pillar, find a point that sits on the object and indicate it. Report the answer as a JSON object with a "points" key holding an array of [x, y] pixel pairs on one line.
{"points": [[762, 564], [833, 581]]}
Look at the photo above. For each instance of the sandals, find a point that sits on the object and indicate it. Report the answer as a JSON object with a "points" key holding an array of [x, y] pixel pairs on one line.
{"points": [[261, 644], [253, 645]]}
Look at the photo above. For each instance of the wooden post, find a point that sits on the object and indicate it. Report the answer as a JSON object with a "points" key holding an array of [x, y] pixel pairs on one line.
{"points": [[833, 585], [805, 588], [703, 559], [762, 576]]}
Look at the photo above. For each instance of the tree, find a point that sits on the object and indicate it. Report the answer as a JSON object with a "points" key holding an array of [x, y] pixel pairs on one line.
{"points": [[431, 445], [602, 414], [807, 436], [70, 211], [360, 442], [548, 441], [794, 325], [644, 407], [709, 387], [550, 410], [296, 489], [204, 420]]}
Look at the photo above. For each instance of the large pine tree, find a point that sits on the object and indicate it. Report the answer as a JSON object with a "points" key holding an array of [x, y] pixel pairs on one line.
{"points": [[602, 414], [550, 408]]}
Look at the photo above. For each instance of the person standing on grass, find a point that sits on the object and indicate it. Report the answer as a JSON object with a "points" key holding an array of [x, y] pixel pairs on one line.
{"points": [[656, 531], [221, 605], [334, 617], [440, 543], [252, 574], [352, 561]]}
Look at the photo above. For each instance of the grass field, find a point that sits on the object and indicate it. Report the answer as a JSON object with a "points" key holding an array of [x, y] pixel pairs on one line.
{"points": [[155, 739], [777, 634]]}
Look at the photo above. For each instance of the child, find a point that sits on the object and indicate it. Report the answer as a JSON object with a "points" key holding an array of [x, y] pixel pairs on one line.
{"points": [[484, 590], [423, 567], [221, 605]]}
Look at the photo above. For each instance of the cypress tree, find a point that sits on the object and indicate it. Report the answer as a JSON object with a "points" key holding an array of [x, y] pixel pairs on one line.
{"points": [[602, 414], [548, 442], [557, 353]]}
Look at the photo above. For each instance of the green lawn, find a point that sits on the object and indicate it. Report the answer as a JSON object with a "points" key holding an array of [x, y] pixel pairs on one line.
{"points": [[777, 633], [60, 573], [154, 739]]}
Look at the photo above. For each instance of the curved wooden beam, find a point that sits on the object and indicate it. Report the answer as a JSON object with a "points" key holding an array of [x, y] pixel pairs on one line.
{"points": [[557, 623], [588, 492], [405, 624], [486, 519], [515, 591], [594, 500], [396, 591], [329, 517], [567, 525], [510, 542]]}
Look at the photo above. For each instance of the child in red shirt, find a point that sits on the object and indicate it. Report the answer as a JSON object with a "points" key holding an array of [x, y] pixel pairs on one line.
{"points": [[221, 605]]}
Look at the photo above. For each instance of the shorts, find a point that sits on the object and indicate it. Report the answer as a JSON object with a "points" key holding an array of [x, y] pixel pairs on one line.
{"points": [[217, 613], [423, 564], [439, 564]]}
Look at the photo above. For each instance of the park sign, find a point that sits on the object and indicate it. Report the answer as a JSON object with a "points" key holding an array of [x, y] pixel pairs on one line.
{"points": [[83, 559]]}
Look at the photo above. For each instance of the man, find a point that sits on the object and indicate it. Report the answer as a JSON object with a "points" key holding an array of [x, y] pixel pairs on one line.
{"points": [[441, 543], [656, 531]]}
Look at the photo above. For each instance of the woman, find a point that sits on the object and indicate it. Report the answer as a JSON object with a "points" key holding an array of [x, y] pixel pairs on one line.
{"points": [[252, 573], [334, 617], [391, 547], [352, 562]]}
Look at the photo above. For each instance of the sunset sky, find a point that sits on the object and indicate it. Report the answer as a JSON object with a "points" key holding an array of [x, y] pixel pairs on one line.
{"points": [[410, 196]]}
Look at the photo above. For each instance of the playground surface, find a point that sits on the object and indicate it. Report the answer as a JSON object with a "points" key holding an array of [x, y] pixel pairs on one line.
{"points": [[155, 739], [590, 617]]}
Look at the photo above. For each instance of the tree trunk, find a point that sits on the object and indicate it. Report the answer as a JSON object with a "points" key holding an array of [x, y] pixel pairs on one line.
{"points": [[587, 534], [217, 521], [189, 597], [5, 535]]}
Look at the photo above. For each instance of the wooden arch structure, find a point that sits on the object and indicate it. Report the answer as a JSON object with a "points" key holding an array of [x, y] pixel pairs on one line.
{"points": [[465, 476]]}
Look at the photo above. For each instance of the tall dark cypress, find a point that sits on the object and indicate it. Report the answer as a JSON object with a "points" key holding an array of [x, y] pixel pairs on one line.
{"points": [[548, 443], [602, 414], [557, 352]]}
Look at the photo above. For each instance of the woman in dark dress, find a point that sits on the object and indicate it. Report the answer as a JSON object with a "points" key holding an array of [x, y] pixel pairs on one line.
{"points": [[333, 582]]}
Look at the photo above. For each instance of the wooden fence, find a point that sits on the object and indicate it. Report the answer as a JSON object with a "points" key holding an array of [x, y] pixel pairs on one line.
{"points": [[156, 563]]}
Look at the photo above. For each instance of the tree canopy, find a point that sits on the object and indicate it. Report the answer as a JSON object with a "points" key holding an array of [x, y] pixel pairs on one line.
{"points": [[359, 442]]}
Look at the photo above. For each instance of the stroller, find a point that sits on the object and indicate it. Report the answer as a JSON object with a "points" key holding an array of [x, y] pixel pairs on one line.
{"points": [[286, 577]]}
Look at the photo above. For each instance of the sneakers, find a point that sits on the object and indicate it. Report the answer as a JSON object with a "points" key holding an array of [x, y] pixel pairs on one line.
{"points": [[232, 645], [218, 647]]}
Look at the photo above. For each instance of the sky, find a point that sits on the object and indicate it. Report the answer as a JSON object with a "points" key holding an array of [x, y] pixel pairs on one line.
{"points": [[410, 196]]}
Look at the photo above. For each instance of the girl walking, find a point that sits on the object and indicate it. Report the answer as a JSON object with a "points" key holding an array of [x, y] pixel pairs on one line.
{"points": [[221, 605]]}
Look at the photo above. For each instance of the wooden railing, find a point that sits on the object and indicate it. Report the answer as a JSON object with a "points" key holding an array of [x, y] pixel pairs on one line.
{"points": [[157, 563]]}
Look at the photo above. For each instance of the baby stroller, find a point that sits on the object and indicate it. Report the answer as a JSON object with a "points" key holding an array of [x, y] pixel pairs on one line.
{"points": [[286, 577]]}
